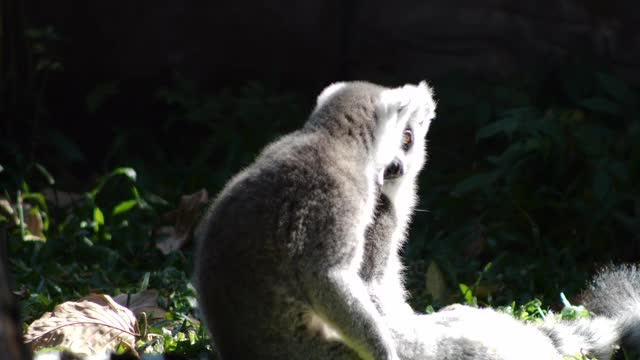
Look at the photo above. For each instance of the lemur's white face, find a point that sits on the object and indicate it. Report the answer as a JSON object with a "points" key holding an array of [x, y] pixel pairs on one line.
{"points": [[405, 152]]}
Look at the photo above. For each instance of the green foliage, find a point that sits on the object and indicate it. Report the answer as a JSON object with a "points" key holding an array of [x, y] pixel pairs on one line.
{"points": [[530, 311], [218, 132], [97, 239], [538, 181], [543, 186], [572, 312], [468, 293], [102, 244]]}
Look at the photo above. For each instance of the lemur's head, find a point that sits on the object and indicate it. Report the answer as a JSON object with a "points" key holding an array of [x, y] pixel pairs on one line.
{"points": [[416, 107], [398, 117]]}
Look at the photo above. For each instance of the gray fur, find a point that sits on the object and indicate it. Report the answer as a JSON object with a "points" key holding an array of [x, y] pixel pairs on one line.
{"points": [[377, 246], [615, 293], [280, 248]]}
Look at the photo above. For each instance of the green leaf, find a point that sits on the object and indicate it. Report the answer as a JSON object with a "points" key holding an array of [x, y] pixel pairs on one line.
{"points": [[616, 88], [87, 241], [475, 182], [467, 294], [126, 171], [565, 301], [505, 126], [100, 94], [42, 170], [98, 218], [600, 104], [37, 197], [572, 312], [487, 267], [155, 199], [123, 207], [144, 285], [142, 203]]}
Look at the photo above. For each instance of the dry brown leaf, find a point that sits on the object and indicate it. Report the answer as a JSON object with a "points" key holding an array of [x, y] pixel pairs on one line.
{"points": [[94, 324], [176, 225], [32, 219], [435, 282], [7, 211], [143, 302], [33, 222]]}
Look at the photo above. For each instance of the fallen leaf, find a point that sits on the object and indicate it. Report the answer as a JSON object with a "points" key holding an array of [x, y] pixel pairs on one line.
{"points": [[175, 226], [33, 222], [95, 324], [142, 302], [7, 211], [32, 219]]}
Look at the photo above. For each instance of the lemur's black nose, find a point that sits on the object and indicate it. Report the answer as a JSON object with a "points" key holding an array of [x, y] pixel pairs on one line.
{"points": [[394, 170]]}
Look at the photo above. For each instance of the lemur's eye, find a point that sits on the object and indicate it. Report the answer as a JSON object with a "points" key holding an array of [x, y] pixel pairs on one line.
{"points": [[407, 139]]}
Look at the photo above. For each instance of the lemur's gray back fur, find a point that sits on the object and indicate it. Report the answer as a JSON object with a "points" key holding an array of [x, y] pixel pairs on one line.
{"points": [[280, 248]]}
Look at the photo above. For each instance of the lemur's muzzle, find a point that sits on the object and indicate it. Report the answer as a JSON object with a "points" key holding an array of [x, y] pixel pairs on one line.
{"points": [[394, 170]]}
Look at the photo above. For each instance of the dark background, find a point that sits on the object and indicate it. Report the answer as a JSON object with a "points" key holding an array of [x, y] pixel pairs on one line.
{"points": [[534, 155]]}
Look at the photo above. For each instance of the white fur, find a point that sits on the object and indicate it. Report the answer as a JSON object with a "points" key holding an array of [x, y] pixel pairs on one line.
{"points": [[328, 93], [395, 108], [414, 108], [500, 333]]}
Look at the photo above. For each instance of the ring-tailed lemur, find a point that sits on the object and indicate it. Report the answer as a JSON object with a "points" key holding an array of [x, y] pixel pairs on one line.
{"points": [[281, 247], [463, 332], [274, 273]]}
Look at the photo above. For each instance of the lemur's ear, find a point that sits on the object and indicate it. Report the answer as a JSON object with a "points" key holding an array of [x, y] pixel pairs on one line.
{"points": [[392, 101], [423, 86], [409, 97], [428, 102], [327, 93]]}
